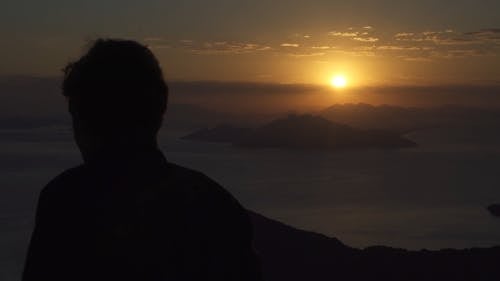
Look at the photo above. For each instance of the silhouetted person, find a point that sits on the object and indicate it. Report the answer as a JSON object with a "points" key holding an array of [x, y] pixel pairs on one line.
{"points": [[127, 213]]}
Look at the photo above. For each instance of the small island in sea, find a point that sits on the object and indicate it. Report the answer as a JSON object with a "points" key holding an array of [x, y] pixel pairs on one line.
{"points": [[302, 132]]}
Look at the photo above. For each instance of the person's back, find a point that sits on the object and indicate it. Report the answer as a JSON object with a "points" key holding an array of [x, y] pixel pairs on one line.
{"points": [[127, 213]]}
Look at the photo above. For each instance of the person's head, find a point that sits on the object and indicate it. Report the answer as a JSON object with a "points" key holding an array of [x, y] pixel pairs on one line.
{"points": [[116, 95]]}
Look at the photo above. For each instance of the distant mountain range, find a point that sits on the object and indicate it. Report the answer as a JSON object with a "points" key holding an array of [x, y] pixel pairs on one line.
{"points": [[302, 131], [407, 119], [28, 102], [290, 254]]}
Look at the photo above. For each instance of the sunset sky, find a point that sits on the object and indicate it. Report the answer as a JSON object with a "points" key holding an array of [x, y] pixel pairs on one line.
{"points": [[370, 43], [330, 95]]}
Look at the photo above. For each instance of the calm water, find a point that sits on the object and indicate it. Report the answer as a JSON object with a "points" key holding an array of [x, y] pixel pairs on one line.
{"points": [[432, 197]]}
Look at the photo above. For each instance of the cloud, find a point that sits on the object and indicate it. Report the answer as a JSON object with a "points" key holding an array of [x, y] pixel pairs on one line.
{"points": [[460, 53], [402, 48], [431, 36], [158, 47], [299, 55], [294, 45], [366, 39], [356, 53], [321, 47], [485, 32], [355, 41], [491, 35], [357, 34], [414, 37], [404, 34], [186, 43], [224, 47], [446, 44], [156, 43], [450, 37], [153, 39], [299, 36], [395, 48], [344, 34], [456, 41], [431, 33], [416, 59]]}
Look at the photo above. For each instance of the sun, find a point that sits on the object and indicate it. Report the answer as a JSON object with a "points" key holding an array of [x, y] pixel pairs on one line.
{"points": [[339, 81]]}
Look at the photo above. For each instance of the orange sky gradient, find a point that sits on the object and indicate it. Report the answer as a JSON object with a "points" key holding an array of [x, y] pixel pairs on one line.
{"points": [[384, 48]]}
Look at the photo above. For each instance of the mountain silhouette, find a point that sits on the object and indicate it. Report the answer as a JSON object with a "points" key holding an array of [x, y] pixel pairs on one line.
{"points": [[302, 131], [408, 119]]}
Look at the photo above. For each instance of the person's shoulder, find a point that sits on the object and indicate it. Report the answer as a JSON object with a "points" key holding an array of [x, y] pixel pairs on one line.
{"points": [[63, 180], [206, 189], [183, 174], [213, 203]]}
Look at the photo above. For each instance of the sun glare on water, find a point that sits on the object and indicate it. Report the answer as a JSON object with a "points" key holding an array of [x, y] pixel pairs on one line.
{"points": [[339, 81]]}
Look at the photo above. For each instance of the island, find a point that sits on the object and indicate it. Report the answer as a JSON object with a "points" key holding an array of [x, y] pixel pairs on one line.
{"points": [[302, 132]]}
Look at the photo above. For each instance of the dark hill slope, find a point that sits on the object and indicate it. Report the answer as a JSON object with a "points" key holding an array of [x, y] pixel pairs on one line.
{"points": [[291, 254]]}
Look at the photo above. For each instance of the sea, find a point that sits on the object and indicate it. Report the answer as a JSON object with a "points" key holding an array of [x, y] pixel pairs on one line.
{"points": [[432, 196]]}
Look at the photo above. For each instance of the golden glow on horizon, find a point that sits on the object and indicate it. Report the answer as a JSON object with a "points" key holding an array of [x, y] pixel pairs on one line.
{"points": [[339, 81]]}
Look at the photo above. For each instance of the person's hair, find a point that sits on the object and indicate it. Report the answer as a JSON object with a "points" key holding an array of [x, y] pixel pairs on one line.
{"points": [[115, 88]]}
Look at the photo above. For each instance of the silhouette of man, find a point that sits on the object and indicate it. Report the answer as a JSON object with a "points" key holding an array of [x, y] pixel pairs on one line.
{"points": [[127, 213]]}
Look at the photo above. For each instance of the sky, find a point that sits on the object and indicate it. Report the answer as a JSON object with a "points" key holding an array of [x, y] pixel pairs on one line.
{"points": [[370, 43]]}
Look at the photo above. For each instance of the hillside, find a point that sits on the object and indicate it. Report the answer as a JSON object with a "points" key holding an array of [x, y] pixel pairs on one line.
{"points": [[291, 254]]}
